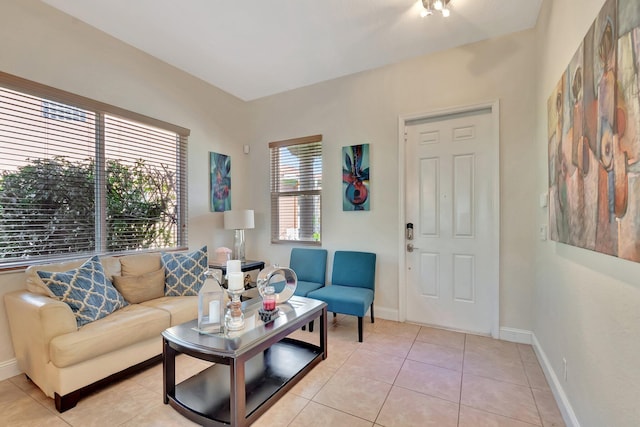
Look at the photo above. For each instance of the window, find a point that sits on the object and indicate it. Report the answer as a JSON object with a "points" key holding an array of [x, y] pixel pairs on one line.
{"points": [[296, 186], [79, 177]]}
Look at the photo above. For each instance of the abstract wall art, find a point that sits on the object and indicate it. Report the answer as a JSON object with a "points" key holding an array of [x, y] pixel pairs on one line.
{"points": [[220, 178], [356, 194], [593, 136]]}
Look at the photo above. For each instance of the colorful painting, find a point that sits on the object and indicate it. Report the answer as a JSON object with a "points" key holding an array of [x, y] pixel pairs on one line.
{"points": [[594, 138], [356, 194], [220, 170]]}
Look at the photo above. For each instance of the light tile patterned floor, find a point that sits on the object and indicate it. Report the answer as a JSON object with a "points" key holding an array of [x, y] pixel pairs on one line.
{"points": [[401, 375]]}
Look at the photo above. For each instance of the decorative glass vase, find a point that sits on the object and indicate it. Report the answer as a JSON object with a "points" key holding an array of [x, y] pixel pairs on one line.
{"points": [[272, 277], [269, 299]]}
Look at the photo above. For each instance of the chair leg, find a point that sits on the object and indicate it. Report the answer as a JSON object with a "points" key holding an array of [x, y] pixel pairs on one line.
{"points": [[359, 329], [311, 326], [372, 313]]}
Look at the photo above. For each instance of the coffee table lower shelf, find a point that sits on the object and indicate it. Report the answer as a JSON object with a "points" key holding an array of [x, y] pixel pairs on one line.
{"points": [[205, 397]]}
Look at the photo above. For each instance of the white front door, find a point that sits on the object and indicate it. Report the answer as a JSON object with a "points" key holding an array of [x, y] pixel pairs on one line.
{"points": [[452, 201]]}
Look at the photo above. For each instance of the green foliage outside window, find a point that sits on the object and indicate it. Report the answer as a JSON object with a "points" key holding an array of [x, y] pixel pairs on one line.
{"points": [[48, 207], [141, 206]]}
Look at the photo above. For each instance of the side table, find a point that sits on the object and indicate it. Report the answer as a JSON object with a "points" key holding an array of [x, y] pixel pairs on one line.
{"points": [[245, 267]]}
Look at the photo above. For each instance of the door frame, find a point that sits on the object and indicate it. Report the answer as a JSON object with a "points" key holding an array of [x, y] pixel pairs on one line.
{"points": [[403, 121]]}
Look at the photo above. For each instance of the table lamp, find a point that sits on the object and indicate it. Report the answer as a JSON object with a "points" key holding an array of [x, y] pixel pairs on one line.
{"points": [[238, 220]]}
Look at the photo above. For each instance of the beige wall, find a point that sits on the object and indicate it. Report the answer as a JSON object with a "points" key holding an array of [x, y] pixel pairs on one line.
{"points": [[44, 45], [41, 44], [364, 108], [587, 305], [581, 305]]}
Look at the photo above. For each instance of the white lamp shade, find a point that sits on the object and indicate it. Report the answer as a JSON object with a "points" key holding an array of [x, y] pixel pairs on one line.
{"points": [[238, 219]]}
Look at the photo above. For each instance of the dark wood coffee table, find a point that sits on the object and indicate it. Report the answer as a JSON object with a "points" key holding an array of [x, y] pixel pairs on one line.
{"points": [[253, 367]]}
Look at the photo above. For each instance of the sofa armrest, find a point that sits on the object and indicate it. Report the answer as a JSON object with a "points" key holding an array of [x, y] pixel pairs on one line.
{"points": [[34, 321]]}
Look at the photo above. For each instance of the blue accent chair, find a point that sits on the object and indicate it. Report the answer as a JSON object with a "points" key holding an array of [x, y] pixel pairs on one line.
{"points": [[310, 266], [352, 288]]}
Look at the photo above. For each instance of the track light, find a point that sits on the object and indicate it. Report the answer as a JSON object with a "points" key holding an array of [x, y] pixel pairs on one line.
{"points": [[428, 6]]}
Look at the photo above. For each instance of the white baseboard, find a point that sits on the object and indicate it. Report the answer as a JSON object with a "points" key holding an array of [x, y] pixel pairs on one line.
{"points": [[9, 369], [527, 337], [385, 313], [564, 405], [515, 335]]}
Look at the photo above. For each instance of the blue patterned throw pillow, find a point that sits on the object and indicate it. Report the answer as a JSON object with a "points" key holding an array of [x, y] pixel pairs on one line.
{"points": [[184, 272], [86, 290]]}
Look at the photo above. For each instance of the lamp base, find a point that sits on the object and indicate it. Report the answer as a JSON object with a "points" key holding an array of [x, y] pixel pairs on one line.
{"points": [[238, 246]]}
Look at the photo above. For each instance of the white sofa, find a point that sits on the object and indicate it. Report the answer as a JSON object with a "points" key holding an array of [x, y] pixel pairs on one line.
{"points": [[67, 361]]}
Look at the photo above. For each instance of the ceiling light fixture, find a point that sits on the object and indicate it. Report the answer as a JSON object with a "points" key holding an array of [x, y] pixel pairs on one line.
{"points": [[428, 6]]}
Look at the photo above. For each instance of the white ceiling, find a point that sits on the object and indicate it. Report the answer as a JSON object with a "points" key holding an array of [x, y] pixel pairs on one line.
{"points": [[256, 48]]}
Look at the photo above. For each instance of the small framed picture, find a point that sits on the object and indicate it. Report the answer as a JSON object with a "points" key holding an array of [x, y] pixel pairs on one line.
{"points": [[356, 194], [220, 178]]}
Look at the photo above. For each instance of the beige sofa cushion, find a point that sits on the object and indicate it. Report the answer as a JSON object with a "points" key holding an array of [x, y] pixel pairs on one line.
{"points": [[135, 265], [129, 325], [141, 288], [35, 283], [110, 264], [181, 309]]}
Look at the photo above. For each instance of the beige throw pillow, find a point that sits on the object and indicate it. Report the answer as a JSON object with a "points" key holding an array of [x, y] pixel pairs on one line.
{"points": [[140, 288], [135, 265]]}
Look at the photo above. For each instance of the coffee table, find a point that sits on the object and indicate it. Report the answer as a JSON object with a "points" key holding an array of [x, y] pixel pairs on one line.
{"points": [[253, 367]]}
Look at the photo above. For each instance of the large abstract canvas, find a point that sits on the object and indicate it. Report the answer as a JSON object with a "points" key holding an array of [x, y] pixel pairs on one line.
{"points": [[220, 178], [594, 144], [356, 194]]}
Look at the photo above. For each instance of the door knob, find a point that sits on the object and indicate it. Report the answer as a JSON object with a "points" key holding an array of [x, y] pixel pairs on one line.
{"points": [[410, 247]]}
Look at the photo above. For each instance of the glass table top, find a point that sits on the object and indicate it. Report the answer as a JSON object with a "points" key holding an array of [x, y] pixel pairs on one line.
{"points": [[255, 331]]}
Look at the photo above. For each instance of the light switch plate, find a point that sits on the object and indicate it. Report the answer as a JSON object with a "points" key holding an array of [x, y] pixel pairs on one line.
{"points": [[543, 232], [544, 197]]}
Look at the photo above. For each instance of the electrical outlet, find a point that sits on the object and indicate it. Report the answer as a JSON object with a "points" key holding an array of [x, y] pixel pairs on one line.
{"points": [[564, 368]]}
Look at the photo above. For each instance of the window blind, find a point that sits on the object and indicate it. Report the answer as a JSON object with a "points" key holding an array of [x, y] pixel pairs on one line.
{"points": [[296, 187], [80, 177]]}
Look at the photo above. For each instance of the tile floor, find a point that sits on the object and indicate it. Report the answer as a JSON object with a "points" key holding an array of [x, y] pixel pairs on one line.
{"points": [[401, 375]]}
